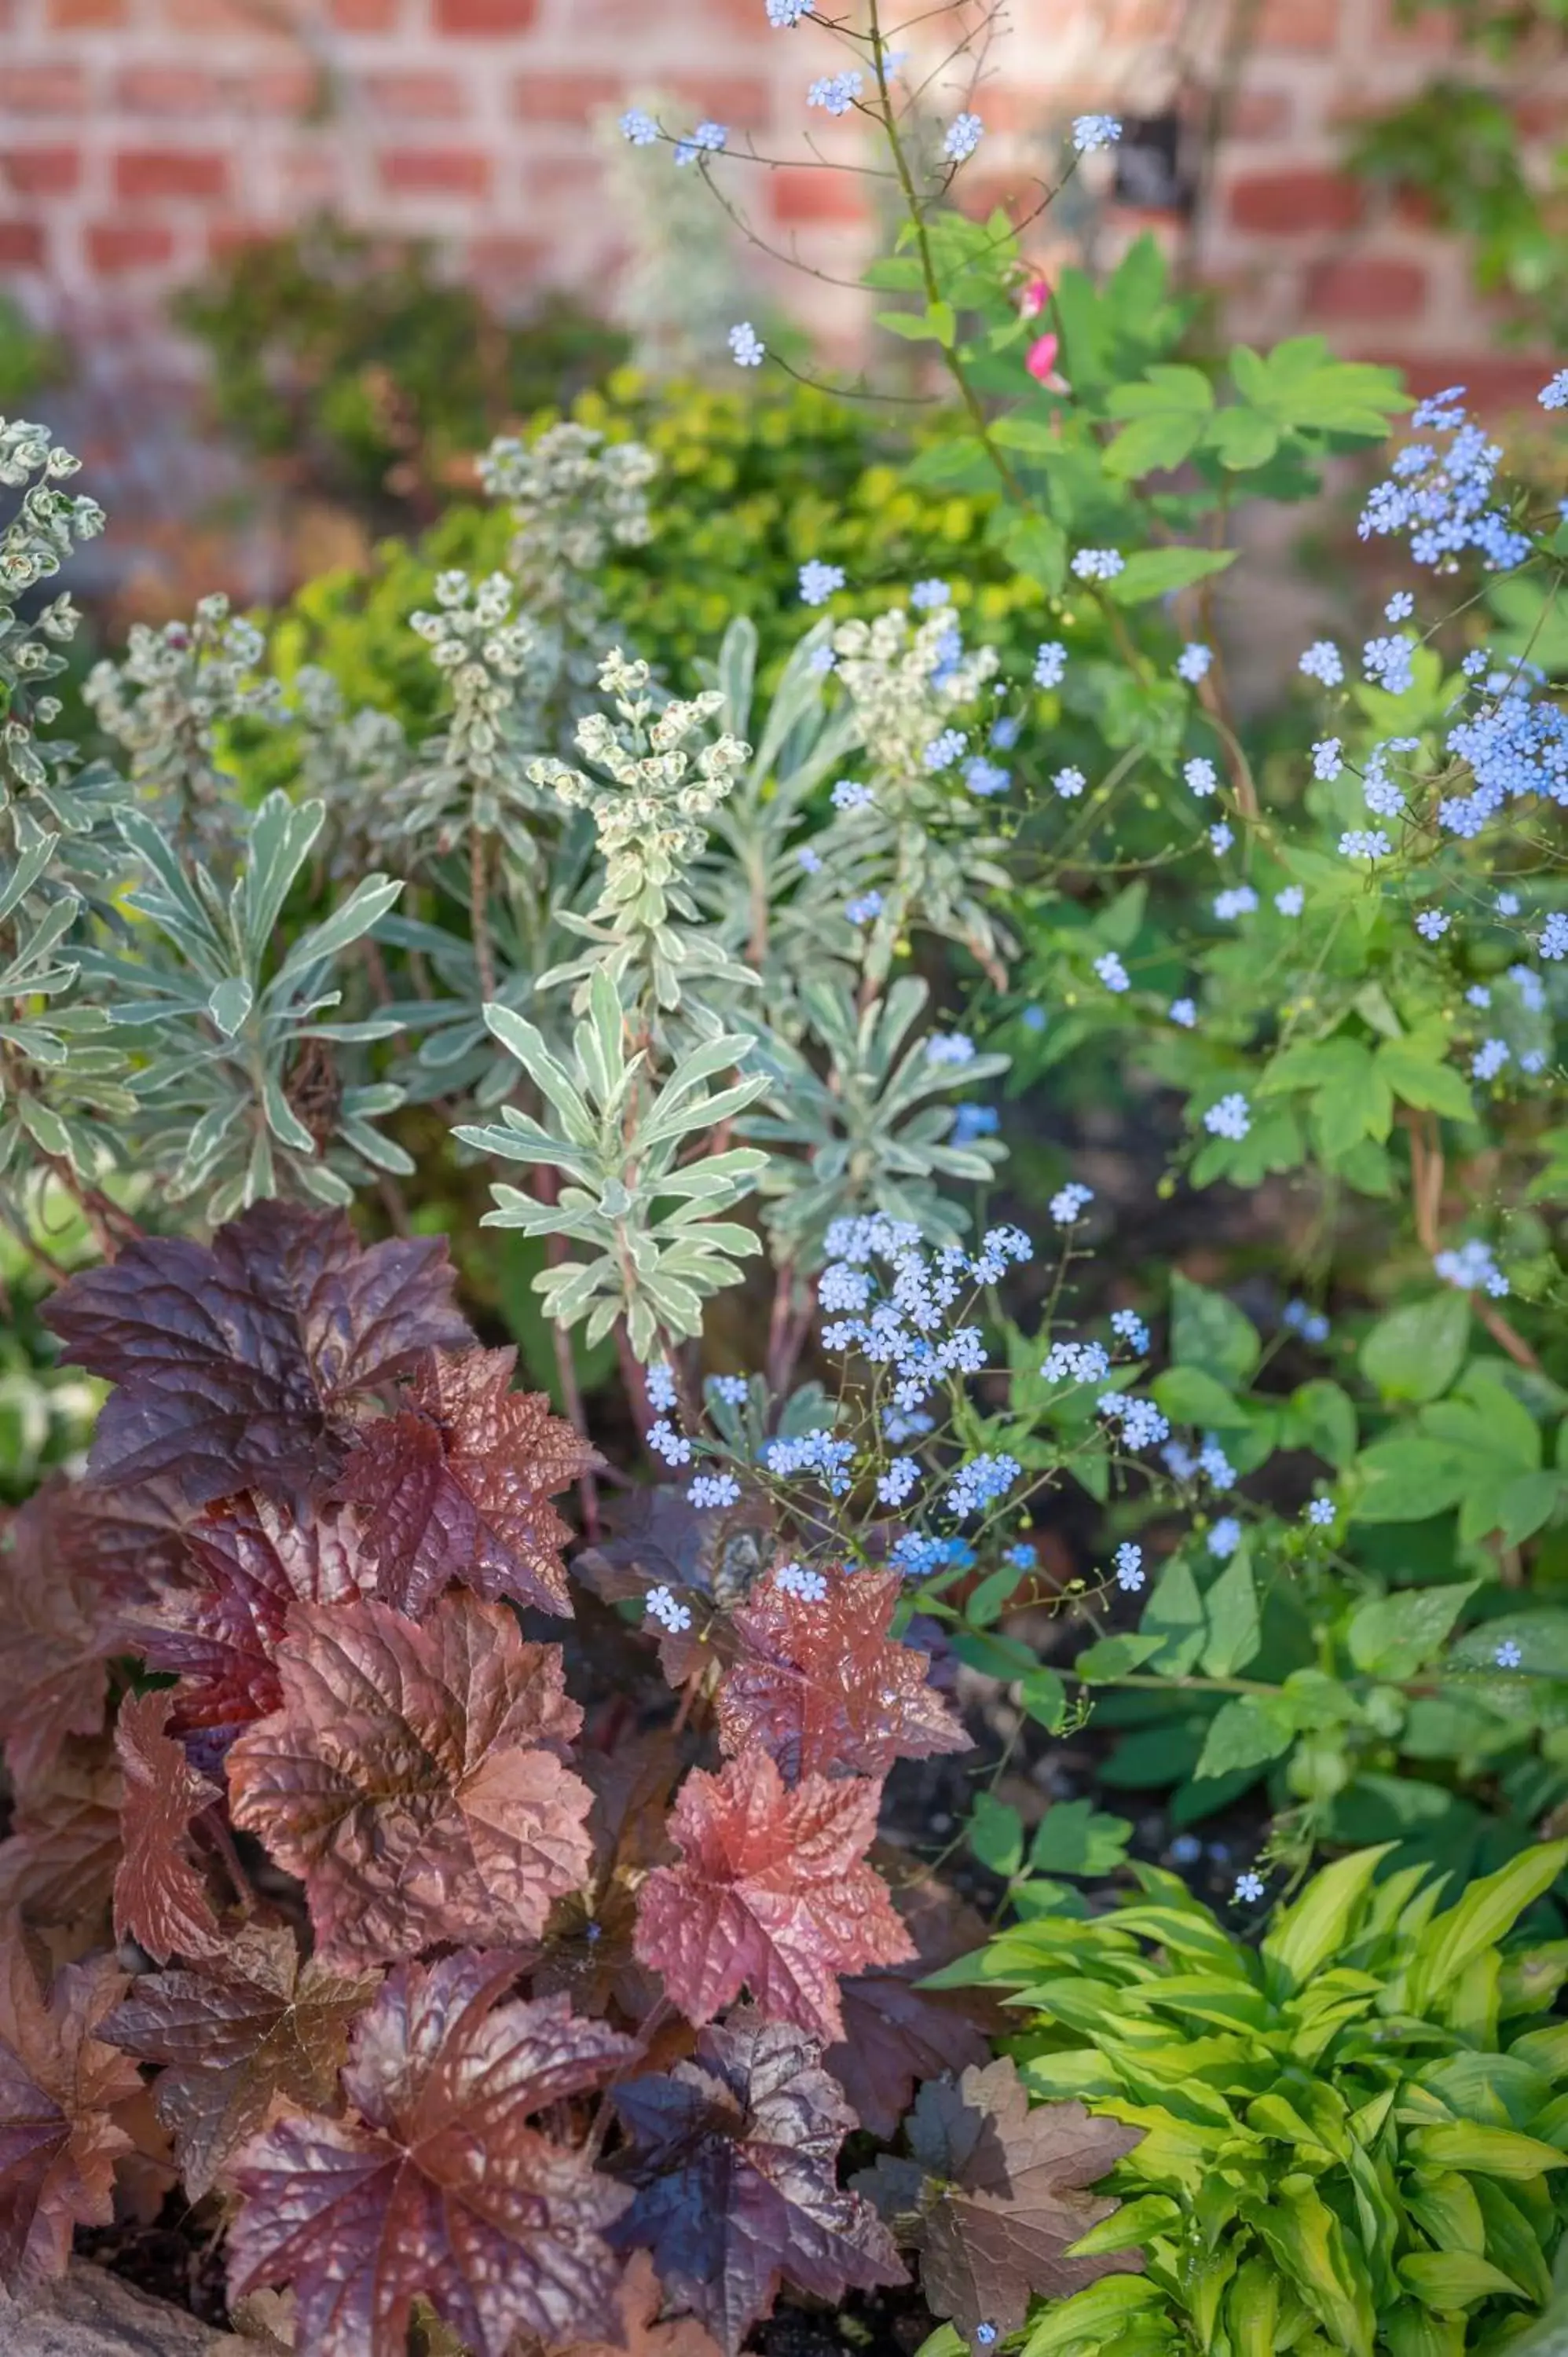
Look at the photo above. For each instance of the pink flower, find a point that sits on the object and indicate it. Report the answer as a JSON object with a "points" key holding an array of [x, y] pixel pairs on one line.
{"points": [[1040, 359], [1035, 297]]}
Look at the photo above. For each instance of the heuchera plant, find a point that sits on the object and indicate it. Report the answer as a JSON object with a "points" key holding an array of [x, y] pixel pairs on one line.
{"points": [[427, 1958]]}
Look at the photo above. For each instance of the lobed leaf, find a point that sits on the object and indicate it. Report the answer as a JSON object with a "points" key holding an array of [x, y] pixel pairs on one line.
{"points": [[456, 1485], [255, 2023], [822, 1686], [235, 1364], [59, 2084], [413, 1777], [995, 2196], [732, 2165], [442, 2187], [772, 1894]]}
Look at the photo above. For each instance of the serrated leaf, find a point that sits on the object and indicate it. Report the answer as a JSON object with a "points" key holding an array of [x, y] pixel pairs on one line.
{"points": [[732, 2163], [822, 1687], [771, 1894], [995, 2196], [311, 1321], [443, 2187], [413, 1777]]}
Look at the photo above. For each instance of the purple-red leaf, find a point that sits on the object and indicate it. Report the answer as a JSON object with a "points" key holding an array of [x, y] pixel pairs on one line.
{"points": [[734, 2159], [160, 1900], [458, 1484], [58, 2084], [220, 1635], [258, 2023], [236, 1364], [825, 1689], [994, 2196], [413, 1777], [444, 2188], [636, 2327], [59, 1862], [588, 1953], [57, 1636], [772, 1893], [707, 1561], [895, 2033]]}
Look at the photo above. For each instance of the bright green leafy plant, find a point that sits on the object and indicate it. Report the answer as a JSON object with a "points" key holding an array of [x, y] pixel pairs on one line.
{"points": [[1351, 2135]]}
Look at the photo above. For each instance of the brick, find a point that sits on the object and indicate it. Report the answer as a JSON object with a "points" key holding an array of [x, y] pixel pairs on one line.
{"points": [[417, 96], [485, 19], [1493, 385], [114, 246], [1260, 113], [565, 97], [227, 237], [297, 88], [83, 15], [21, 245], [507, 261], [1300, 25], [143, 172], [435, 171], [364, 16], [42, 89], [1541, 117], [166, 90], [1296, 204], [799, 194], [1370, 286], [42, 171]]}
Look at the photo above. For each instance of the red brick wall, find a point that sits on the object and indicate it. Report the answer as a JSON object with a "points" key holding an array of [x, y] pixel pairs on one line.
{"points": [[138, 137]]}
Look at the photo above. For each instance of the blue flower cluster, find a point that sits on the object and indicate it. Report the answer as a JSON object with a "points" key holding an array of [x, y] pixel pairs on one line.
{"points": [[1439, 494]]}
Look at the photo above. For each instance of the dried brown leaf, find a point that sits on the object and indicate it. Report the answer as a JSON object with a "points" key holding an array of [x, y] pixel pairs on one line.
{"points": [[995, 2196]]}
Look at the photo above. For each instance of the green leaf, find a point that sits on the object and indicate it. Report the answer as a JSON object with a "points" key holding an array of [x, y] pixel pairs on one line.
{"points": [[230, 1003], [1243, 1733], [1092, 2318], [1394, 1636], [1241, 437], [1074, 1837], [913, 327], [1114, 1657], [1211, 1333], [1190, 1395], [1313, 1929], [1155, 572], [1175, 1614], [1322, 1417], [1425, 1081], [1037, 545], [1482, 2151], [995, 1834], [1449, 2279], [1415, 1352], [1408, 1479], [1235, 1630], [1488, 1909]]}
